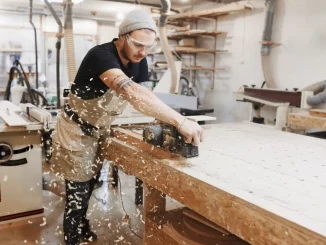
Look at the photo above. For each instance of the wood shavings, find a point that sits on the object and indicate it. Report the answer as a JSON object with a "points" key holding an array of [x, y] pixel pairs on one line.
{"points": [[44, 222]]}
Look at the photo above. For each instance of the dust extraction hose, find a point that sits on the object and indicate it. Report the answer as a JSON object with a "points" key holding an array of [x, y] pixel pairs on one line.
{"points": [[266, 47], [69, 42], [319, 90], [58, 47], [35, 39], [165, 11]]}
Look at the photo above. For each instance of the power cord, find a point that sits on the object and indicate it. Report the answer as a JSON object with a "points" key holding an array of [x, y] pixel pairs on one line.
{"points": [[124, 210], [127, 217]]}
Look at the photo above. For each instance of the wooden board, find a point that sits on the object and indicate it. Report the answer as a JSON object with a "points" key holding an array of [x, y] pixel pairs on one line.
{"points": [[213, 13], [197, 217], [191, 50], [201, 118], [193, 33], [317, 113], [12, 119], [306, 121], [263, 185], [190, 68], [168, 229]]}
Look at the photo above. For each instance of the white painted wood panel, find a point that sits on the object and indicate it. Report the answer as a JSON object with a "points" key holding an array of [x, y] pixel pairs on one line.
{"points": [[281, 172]]}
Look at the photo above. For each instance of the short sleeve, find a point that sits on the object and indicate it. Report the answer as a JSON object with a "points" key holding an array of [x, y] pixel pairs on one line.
{"points": [[143, 71], [100, 60]]}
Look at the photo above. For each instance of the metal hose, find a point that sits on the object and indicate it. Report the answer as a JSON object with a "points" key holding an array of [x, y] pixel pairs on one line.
{"points": [[165, 11]]}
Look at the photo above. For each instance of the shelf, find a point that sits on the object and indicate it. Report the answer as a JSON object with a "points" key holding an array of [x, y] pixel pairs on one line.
{"points": [[190, 50], [270, 43], [192, 68], [194, 33], [11, 50], [212, 13]]}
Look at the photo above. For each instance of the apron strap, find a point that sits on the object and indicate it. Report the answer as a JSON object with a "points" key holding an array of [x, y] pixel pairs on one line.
{"points": [[87, 128]]}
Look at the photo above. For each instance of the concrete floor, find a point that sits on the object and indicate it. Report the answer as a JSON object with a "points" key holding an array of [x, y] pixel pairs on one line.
{"points": [[105, 213]]}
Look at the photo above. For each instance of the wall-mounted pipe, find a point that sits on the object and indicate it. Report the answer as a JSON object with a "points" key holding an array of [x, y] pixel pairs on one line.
{"points": [[266, 47], [69, 41], [35, 39], [58, 47], [165, 12]]}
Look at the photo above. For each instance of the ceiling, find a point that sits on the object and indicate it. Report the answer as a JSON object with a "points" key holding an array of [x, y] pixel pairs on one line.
{"points": [[103, 8]]}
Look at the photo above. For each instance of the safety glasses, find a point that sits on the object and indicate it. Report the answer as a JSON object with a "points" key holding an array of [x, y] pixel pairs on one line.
{"points": [[140, 46]]}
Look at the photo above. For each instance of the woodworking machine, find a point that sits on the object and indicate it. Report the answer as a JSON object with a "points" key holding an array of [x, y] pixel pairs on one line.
{"points": [[282, 100], [21, 160], [168, 137]]}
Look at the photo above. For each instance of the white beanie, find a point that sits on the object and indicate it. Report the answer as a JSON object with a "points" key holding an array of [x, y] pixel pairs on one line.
{"points": [[135, 20]]}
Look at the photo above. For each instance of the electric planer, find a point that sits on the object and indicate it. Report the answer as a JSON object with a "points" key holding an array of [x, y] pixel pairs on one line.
{"points": [[168, 137]]}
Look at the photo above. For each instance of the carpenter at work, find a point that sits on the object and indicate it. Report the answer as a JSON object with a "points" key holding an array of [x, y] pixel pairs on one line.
{"points": [[107, 79]]}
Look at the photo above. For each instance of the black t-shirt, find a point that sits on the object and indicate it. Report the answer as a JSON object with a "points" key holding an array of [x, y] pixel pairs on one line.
{"points": [[88, 85]]}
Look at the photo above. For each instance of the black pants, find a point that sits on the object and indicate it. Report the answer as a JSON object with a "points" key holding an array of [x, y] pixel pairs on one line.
{"points": [[77, 199]]}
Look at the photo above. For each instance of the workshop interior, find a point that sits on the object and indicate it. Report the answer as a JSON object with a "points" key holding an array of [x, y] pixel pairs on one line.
{"points": [[249, 72]]}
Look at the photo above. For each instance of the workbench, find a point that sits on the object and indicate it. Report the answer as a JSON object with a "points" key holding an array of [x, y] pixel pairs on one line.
{"points": [[263, 185]]}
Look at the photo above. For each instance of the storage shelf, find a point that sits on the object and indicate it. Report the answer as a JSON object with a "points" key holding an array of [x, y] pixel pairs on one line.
{"points": [[192, 68], [212, 13], [188, 50], [11, 50], [194, 33]]}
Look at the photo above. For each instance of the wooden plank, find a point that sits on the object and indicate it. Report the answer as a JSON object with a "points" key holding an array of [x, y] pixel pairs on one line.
{"points": [[317, 113], [12, 119], [190, 68], [270, 43], [170, 228], [197, 217], [181, 28], [193, 33], [136, 140], [154, 203], [11, 50], [265, 195], [245, 220], [201, 118], [191, 50], [306, 121], [223, 10]]}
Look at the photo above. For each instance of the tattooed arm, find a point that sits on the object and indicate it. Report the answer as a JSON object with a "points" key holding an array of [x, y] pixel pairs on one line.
{"points": [[146, 102]]}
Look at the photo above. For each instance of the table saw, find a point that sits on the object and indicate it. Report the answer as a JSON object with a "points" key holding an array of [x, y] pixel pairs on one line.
{"points": [[21, 161], [263, 185]]}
